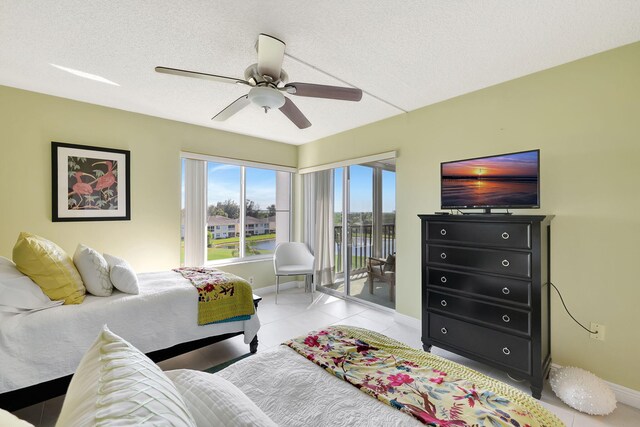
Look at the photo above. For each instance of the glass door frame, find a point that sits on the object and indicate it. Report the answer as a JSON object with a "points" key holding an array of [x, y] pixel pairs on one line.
{"points": [[345, 248]]}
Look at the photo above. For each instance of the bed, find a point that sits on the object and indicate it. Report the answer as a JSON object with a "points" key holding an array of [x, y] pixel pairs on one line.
{"points": [[305, 395], [40, 350], [292, 390], [335, 376]]}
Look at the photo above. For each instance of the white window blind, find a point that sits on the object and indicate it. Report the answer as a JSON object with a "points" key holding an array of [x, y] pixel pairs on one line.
{"points": [[283, 206], [195, 220]]}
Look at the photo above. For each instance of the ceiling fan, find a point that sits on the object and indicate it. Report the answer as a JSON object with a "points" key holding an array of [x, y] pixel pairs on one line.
{"points": [[268, 81]]}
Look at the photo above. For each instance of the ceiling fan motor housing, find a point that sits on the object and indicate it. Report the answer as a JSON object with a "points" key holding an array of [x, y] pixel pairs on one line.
{"points": [[266, 97]]}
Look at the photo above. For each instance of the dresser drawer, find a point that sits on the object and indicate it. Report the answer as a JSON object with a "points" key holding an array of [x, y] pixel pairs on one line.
{"points": [[510, 290], [489, 260], [508, 235], [499, 347], [494, 314]]}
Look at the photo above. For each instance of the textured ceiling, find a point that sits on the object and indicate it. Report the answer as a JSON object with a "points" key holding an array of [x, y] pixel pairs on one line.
{"points": [[409, 53]]}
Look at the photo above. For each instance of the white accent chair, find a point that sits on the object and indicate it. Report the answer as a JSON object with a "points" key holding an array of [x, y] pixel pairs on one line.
{"points": [[293, 259]]}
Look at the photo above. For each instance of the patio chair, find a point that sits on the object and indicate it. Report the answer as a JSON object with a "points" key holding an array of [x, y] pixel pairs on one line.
{"points": [[384, 270]]}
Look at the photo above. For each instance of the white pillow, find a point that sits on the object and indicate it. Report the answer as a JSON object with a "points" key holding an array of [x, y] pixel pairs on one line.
{"points": [[8, 270], [18, 293], [94, 270], [7, 419], [582, 390], [116, 385], [122, 275], [214, 401]]}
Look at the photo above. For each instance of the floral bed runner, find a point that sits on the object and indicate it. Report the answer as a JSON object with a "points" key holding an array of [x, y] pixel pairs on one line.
{"points": [[433, 390], [222, 297]]}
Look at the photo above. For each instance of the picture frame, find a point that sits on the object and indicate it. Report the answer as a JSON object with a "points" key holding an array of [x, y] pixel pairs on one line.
{"points": [[89, 183]]}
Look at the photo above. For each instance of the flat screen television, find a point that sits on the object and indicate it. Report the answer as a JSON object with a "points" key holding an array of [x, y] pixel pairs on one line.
{"points": [[501, 181]]}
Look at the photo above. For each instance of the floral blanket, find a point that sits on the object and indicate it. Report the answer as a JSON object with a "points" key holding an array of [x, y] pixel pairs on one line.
{"points": [[222, 297], [431, 389]]}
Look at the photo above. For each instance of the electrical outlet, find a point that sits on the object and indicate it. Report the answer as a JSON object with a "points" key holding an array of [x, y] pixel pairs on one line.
{"points": [[251, 280], [600, 331]]}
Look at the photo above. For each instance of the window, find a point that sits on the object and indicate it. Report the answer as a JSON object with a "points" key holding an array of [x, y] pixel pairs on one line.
{"points": [[261, 206], [247, 210]]}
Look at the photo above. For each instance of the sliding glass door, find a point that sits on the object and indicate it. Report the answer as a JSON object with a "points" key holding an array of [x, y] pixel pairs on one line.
{"points": [[388, 232], [360, 223], [363, 237]]}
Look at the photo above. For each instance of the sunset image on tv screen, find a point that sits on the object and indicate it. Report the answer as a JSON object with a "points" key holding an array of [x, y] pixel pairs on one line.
{"points": [[509, 180]]}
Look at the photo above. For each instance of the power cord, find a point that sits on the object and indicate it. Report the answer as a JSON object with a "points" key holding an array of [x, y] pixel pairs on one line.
{"points": [[567, 310]]}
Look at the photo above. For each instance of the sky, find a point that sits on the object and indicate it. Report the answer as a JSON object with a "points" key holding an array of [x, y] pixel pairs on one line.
{"points": [[361, 191], [224, 183], [519, 164]]}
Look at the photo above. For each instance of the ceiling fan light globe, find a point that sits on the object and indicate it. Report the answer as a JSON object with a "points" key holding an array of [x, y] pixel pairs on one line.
{"points": [[266, 97]]}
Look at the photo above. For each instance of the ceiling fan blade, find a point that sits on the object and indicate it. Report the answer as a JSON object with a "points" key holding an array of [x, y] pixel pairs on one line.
{"points": [[270, 56], [294, 114], [324, 91], [232, 108], [198, 75]]}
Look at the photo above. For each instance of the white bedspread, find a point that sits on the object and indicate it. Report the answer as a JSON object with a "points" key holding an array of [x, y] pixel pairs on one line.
{"points": [[293, 391], [40, 346]]}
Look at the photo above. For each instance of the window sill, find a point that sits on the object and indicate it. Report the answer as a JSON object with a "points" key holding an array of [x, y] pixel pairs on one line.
{"points": [[239, 261]]}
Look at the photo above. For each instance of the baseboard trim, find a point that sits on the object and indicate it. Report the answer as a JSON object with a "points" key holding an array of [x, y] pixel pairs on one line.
{"points": [[272, 289], [625, 395], [403, 319]]}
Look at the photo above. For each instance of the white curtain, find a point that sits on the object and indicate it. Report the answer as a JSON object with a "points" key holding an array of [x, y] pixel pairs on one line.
{"points": [[195, 221], [324, 246], [309, 209]]}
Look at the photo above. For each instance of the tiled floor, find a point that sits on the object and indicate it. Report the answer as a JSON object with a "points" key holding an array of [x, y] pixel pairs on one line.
{"points": [[295, 315]]}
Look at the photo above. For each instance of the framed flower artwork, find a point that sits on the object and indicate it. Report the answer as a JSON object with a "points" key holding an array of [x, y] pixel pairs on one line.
{"points": [[89, 183]]}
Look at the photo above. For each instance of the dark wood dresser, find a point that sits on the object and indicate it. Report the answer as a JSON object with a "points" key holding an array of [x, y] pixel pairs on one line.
{"points": [[484, 291]]}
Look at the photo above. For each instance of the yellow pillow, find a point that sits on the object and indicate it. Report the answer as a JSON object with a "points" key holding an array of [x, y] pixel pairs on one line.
{"points": [[50, 267]]}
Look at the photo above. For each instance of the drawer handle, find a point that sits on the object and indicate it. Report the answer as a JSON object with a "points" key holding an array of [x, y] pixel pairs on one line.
{"points": [[506, 319], [506, 291], [443, 232], [505, 263], [505, 235], [443, 279], [443, 330], [443, 303], [506, 351], [443, 255]]}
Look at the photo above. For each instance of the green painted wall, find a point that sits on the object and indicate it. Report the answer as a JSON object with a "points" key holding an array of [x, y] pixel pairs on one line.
{"points": [[585, 118], [151, 240]]}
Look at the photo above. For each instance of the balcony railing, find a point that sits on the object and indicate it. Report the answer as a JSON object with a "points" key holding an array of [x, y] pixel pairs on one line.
{"points": [[360, 241]]}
